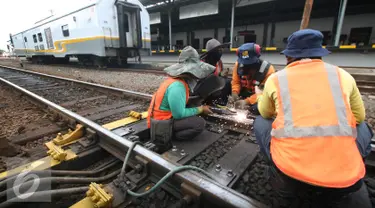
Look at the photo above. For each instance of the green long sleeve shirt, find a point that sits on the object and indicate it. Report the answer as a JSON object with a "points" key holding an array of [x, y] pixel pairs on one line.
{"points": [[174, 100]]}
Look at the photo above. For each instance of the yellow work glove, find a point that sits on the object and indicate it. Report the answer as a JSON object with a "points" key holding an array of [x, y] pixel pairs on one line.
{"points": [[241, 104], [205, 109]]}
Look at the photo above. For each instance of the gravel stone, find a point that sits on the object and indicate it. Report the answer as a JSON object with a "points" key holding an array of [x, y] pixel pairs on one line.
{"points": [[246, 177], [161, 195]]}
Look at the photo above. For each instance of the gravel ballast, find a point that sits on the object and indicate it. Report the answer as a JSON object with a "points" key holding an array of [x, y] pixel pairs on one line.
{"points": [[140, 82]]}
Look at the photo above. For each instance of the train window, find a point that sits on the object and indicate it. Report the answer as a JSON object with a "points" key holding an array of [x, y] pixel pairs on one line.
{"points": [[25, 38], [34, 38], [65, 30], [126, 23], [40, 38]]}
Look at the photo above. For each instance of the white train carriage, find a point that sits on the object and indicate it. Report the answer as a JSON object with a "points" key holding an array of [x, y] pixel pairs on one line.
{"points": [[102, 32]]}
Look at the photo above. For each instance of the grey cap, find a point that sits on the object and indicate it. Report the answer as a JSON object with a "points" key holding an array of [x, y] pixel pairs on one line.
{"points": [[212, 44], [189, 62]]}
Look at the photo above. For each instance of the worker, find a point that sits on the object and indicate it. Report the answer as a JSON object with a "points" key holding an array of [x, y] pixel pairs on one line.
{"points": [[249, 71], [214, 51], [168, 114], [318, 138]]}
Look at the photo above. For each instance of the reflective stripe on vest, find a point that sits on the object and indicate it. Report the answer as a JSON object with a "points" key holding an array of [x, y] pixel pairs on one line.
{"points": [[154, 110], [261, 70], [289, 131]]}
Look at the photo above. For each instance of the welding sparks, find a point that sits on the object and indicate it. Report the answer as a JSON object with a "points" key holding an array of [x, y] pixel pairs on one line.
{"points": [[240, 117]]}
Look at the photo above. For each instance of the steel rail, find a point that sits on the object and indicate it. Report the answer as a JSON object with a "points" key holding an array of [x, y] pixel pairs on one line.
{"points": [[98, 86], [210, 188]]}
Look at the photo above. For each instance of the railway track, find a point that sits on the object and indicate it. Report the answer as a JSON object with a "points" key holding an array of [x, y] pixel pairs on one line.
{"points": [[226, 150], [365, 81]]}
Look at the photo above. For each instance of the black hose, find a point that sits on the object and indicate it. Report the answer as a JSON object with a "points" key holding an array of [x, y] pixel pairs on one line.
{"points": [[48, 173], [57, 180], [51, 193]]}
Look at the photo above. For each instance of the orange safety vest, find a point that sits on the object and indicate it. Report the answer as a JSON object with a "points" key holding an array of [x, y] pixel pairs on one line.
{"points": [[314, 133], [154, 109], [219, 68], [258, 77]]}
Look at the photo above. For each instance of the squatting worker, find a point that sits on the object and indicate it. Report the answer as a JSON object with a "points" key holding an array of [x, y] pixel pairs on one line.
{"points": [[319, 138], [248, 72], [169, 101], [213, 56]]}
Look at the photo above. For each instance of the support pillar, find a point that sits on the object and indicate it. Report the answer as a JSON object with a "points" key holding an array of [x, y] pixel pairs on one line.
{"points": [[340, 21], [232, 22], [216, 34], [273, 31], [265, 34], [188, 38], [306, 14], [170, 30]]}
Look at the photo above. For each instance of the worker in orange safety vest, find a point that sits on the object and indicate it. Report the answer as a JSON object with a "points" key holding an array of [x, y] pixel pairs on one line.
{"points": [[318, 139], [168, 114], [249, 71]]}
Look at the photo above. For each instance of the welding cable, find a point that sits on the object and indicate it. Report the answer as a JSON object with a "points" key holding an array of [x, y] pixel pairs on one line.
{"points": [[127, 158], [40, 194], [161, 181], [95, 171], [49, 173], [56, 180], [169, 174]]}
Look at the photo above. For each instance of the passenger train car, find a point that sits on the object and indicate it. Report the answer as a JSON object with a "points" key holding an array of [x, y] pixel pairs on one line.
{"points": [[107, 31]]}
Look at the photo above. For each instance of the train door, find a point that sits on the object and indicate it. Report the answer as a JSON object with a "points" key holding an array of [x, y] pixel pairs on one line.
{"points": [[49, 39], [129, 22]]}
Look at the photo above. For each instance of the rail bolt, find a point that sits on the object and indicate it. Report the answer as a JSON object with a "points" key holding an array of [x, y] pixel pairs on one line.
{"points": [[174, 149], [138, 168], [230, 173], [218, 167], [183, 152]]}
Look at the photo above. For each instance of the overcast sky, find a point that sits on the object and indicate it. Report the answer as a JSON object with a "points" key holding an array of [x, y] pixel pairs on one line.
{"points": [[19, 15]]}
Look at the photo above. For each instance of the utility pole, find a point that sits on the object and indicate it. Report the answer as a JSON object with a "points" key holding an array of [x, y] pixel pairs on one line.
{"points": [[234, 2], [306, 14], [340, 21]]}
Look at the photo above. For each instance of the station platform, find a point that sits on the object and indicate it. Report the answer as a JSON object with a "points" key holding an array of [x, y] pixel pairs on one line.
{"points": [[344, 59]]}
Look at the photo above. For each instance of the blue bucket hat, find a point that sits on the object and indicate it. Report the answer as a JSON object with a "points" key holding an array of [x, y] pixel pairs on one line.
{"points": [[305, 43], [248, 53]]}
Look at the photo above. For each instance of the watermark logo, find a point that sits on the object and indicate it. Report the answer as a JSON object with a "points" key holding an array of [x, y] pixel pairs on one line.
{"points": [[30, 185]]}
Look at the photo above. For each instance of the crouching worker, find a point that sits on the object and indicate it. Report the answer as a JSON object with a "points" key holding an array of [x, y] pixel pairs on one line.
{"points": [[168, 115], [248, 72], [213, 56], [317, 142]]}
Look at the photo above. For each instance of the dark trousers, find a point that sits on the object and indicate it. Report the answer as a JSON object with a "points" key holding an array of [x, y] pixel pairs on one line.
{"points": [[359, 198], [188, 128]]}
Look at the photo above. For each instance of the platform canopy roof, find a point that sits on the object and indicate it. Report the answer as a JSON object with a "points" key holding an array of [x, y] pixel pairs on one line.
{"points": [[158, 4]]}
